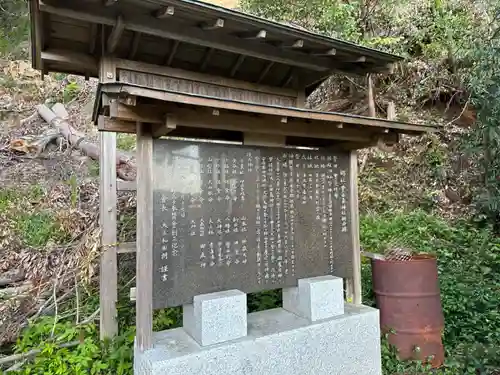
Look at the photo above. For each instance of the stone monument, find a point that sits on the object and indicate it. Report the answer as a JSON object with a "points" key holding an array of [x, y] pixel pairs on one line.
{"points": [[230, 220]]}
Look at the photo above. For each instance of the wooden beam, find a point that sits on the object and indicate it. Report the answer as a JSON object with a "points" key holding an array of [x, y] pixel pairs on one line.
{"points": [[206, 59], [242, 123], [266, 70], [266, 140], [165, 12], [218, 24], [135, 45], [144, 259], [260, 35], [177, 30], [237, 65], [127, 247], [172, 52], [92, 38], [146, 114], [169, 126], [113, 125], [108, 274], [299, 43], [126, 186], [116, 34], [61, 57]]}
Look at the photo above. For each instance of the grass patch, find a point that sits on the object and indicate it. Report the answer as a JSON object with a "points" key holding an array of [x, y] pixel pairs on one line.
{"points": [[126, 142], [38, 228]]}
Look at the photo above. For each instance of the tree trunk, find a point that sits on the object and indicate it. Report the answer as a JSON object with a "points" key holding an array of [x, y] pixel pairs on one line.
{"points": [[125, 167]]}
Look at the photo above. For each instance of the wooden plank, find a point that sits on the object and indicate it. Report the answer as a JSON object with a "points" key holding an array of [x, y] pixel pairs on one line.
{"points": [[187, 86], [144, 273], [126, 185], [176, 30], [125, 117], [266, 140], [355, 283], [74, 59], [109, 269], [200, 77], [114, 125], [116, 34], [126, 248], [274, 111]]}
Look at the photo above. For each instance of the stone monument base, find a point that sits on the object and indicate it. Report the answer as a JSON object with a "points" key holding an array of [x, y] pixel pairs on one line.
{"points": [[273, 342]]}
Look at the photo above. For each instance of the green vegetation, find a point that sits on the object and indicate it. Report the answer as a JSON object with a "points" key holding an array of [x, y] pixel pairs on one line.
{"points": [[470, 304], [125, 141]]}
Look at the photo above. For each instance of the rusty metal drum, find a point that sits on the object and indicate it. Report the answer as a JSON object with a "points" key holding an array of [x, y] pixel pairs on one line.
{"points": [[408, 297]]}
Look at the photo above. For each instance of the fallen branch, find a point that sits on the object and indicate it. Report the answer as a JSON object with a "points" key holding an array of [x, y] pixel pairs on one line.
{"points": [[14, 291], [11, 277]]}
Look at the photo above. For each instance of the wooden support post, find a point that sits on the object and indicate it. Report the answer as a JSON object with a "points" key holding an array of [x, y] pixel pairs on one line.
{"points": [[354, 283], [108, 275], [144, 262], [371, 98]]}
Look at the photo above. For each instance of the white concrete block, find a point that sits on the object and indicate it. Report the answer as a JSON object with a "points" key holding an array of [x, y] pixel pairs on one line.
{"points": [[216, 317], [278, 343], [316, 298]]}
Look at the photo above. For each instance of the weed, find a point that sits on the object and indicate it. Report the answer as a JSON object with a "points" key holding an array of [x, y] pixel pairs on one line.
{"points": [[38, 228], [126, 142]]}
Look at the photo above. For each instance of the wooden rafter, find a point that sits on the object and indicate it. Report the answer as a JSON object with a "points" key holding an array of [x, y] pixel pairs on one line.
{"points": [[135, 45], [237, 65], [116, 34], [217, 24], [172, 52], [206, 59], [266, 70]]}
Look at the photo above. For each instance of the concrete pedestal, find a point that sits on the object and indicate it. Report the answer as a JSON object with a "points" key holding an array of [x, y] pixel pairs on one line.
{"points": [[320, 337]]}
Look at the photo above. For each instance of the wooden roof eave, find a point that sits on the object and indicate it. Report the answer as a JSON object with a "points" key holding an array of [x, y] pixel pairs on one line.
{"points": [[280, 112], [216, 11], [321, 65]]}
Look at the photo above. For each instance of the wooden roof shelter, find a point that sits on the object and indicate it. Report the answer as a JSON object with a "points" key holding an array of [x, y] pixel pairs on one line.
{"points": [[187, 60], [190, 69]]}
